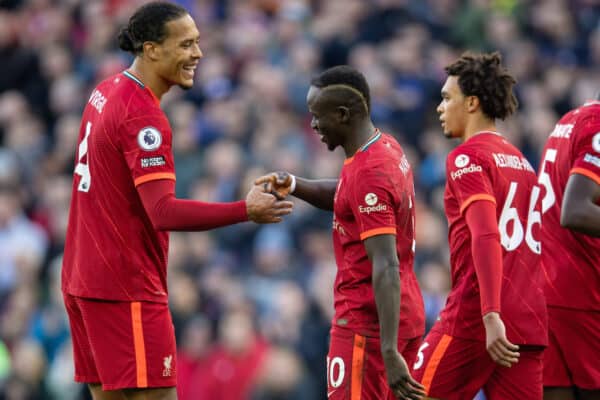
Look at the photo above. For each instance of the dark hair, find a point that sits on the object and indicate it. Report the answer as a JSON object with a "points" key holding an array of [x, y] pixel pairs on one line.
{"points": [[482, 75], [148, 24], [348, 76]]}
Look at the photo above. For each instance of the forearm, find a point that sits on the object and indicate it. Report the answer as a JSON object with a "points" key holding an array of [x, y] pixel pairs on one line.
{"points": [[583, 218], [188, 215], [487, 256], [386, 287], [171, 214], [580, 210], [486, 252], [318, 192]]}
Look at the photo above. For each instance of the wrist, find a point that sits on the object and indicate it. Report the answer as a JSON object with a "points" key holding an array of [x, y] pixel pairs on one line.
{"points": [[388, 351], [491, 316]]}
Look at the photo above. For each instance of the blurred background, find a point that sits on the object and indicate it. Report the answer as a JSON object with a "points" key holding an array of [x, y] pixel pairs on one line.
{"points": [[252, 304]]}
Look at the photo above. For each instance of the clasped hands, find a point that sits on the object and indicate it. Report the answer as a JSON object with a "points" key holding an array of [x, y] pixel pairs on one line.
{"points": [[265, 202]]}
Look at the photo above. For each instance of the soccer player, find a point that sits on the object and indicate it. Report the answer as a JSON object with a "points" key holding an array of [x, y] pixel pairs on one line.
{"points": [[114, 269], [493, 329], [379, 317], [570, 177]]}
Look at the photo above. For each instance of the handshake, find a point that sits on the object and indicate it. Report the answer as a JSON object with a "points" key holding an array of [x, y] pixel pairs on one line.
{"points": [[265, 202]]}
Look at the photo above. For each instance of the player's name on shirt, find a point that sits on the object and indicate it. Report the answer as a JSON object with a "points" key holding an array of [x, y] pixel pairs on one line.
{"points": [[338, 227], [97, 100], [562, 131], [512, 161]]}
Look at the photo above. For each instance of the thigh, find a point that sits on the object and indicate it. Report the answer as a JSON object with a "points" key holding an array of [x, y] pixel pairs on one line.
{"points": [[151, 394], [577, 335], [555, 370], [133, 343], [355, 368], [521, 381], [83, 358], [452, 368]]}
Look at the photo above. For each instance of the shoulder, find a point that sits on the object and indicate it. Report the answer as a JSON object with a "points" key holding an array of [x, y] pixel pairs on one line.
{"points": [[467, 153]]}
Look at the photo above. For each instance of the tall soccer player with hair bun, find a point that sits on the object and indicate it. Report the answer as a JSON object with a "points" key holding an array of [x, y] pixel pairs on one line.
{"points": [[114, 276], [493, 329], [379, 318]]}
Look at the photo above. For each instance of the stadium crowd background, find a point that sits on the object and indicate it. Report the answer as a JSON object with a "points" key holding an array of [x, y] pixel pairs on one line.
{"points": [[252, 304]]}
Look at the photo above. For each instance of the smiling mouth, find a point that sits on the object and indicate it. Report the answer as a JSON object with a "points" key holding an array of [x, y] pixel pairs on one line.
{"points": [[190, 69]]}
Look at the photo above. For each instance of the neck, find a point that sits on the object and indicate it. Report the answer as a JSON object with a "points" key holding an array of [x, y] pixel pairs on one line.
{"points": [[476, 125], [149, 78], [363, 132]]}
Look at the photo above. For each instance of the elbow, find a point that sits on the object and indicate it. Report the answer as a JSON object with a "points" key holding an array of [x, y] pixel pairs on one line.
{"points": [[159, 224], [570, 218], [388, 274]]}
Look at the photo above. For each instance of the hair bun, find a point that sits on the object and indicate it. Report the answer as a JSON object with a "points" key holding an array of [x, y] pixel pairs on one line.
{"points": [[126, 41]]}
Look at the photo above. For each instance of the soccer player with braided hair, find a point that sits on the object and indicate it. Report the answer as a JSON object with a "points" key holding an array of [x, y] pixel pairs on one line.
{"points": [[493, 329]]}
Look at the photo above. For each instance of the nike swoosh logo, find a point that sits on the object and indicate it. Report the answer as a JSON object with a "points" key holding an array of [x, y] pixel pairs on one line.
{"points": [[331, 392]]}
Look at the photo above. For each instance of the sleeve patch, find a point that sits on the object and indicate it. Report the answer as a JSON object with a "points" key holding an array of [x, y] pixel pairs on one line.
{"points": [[157, 161], [149, 138], [596, 142]]}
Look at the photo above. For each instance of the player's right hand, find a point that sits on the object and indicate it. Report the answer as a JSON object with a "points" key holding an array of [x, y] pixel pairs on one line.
{"points": [[278, 184], [264, 208], [402, 384], [500, 349]]}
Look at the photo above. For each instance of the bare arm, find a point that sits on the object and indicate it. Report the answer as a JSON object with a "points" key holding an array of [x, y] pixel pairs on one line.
{"points": [[381, 250], [318, 192], [579, 209]]}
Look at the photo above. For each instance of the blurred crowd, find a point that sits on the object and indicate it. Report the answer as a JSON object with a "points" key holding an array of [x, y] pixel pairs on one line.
{"points": [[252, 304]]}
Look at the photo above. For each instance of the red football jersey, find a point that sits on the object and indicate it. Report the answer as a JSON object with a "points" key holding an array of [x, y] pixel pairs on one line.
{"points": [[112, 251], [570, 259], [375, 195], [488, 168]]}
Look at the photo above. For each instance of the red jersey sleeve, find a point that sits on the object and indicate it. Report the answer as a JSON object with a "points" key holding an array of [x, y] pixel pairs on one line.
{"points": [[467, 178], [586, 149], [146, 145], [372, 203], [487, 253]]}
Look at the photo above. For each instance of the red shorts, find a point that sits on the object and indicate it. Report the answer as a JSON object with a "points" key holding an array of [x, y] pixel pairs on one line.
{"points": [[122, 344], [573, 354], [355, 368], [456, 369]]}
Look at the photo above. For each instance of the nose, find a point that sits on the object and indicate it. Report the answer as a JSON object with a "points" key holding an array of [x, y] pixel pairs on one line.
{"points": [[439, 108], [197, 52]]}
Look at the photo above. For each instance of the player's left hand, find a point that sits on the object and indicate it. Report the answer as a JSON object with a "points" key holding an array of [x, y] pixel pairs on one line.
{"points": [[402, 384], [500, 349]]}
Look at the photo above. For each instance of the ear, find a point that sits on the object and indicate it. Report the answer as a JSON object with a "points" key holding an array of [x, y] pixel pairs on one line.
{"points": [[472, 103], [151, 50], [343, 113]]}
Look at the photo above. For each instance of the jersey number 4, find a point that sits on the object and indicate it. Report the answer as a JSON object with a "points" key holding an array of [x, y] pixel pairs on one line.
{"points": [[82, 169], [509, 214]]}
